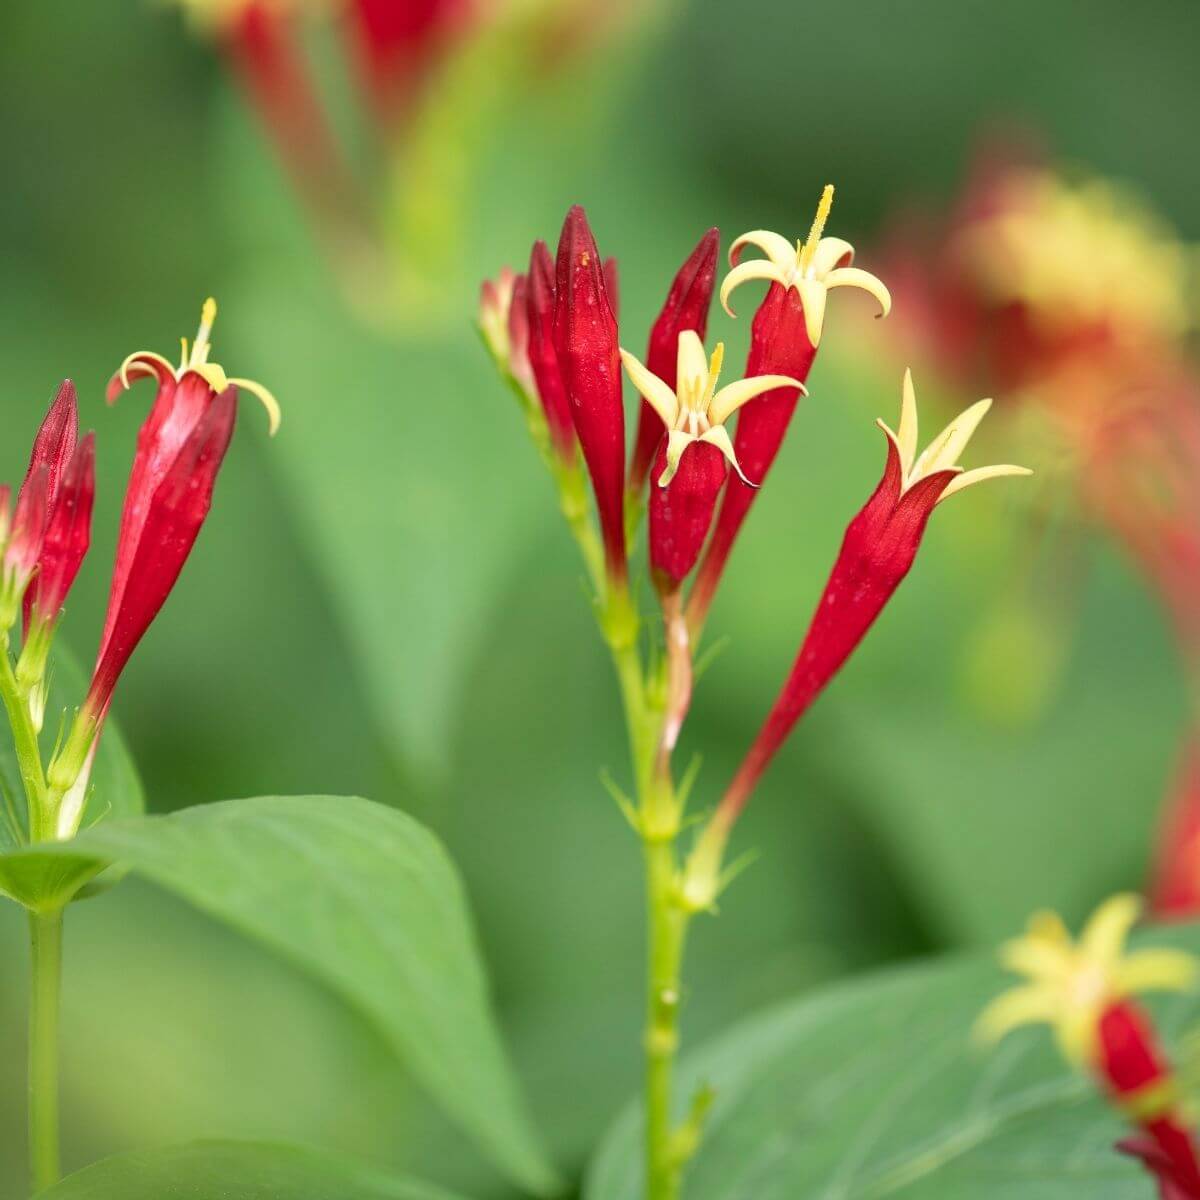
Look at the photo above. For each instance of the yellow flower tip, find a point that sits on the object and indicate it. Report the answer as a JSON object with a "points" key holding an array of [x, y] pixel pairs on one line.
{"points": [[208, 313], [715, 363], [267, 399]]}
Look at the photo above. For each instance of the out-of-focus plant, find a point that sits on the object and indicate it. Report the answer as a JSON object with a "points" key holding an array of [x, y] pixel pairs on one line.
{"points": [[1073, 296], [553, 334], [1085, 991], [434, 78]]}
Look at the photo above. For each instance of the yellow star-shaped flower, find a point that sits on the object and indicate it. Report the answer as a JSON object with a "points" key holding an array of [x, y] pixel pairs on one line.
{"points": [[943, 452], [694, 411], [1071, 983], [195, 361], [812, 267]]}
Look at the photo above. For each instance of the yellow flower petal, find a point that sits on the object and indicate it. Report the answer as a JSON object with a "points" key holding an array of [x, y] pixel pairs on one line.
{"points": [[829, 252], [812, 297], [656, 392], [777, 248], [757, 269], [731, 397], [1155, 970], [1103, 938], [946, 449], [906, 435], [1039, 959], [1029, 1005], [718, 436], [678, 440], [853, 277], [691, 363], [979, 475]]}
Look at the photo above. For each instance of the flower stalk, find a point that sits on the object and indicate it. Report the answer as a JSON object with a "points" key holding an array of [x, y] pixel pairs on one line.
{"points": [[45, 1001]]}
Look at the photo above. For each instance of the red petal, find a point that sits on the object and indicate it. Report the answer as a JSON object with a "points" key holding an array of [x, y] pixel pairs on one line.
{"points": [[681, 513], [68, 535], [543, 360]]}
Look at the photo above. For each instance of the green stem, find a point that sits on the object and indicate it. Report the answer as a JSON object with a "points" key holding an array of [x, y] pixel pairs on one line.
{"points": [[666, 926], [29, 755], [45, 934]]}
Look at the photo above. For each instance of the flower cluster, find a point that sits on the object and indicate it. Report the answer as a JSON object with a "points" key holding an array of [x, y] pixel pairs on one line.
{"points": [[1084, 990], [554, 335], [180, 449]]}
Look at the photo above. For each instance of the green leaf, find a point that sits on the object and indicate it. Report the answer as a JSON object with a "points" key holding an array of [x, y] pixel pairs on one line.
{"points": [[874, 1089], [236, 1171], [26, 875], [365, 899]]}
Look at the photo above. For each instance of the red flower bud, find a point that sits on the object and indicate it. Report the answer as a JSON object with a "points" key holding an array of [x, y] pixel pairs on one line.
{"points": [[681, 512], [68, 533], [585, 341], [55, 441], [170, 520], [28, 532], [543, 360], [686, 307]]}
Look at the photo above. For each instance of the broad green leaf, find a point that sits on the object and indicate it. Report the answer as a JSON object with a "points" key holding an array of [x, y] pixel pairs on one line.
{"points": [[116, 791], [874, 1089], [365, 899], [236, 1171]]}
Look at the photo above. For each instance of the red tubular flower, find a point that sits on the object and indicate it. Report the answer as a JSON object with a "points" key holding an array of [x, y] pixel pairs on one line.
{"points": [[785, 335], [612, 285], [1133, 1069], [681, 513], [168, 529], [543, 360], [399, 43], [686, 307], [1171, 1185], [585, 342], [877, 551], [25, 539], [68, 534]]}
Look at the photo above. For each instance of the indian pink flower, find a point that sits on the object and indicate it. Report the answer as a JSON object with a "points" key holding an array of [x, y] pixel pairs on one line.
{"points": [[686, 307], [585, 342], [691, 463], [1083, 989], [877, 551], [171, 435], [785, 334]]}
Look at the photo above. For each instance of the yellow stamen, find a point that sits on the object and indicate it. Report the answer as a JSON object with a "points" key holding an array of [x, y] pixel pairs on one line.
{"points": [[818, 227], [201, 346], [714, 372]]}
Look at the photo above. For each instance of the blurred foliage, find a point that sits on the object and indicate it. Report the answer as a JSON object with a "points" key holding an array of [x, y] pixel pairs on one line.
{"points": [[383, 602]]}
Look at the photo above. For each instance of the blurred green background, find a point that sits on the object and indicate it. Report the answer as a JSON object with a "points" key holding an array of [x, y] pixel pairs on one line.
{"points": [[384, 604]]}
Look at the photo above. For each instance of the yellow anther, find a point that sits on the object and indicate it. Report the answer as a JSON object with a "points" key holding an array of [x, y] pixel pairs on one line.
{"points": [[817, 228], [714, 372]]}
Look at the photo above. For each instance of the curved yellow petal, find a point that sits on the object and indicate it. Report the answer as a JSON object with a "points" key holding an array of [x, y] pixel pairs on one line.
{"points": [[979, 475], [1041, 960], [678, 440], [656, 392], [1156, 970], [1029, 1005], [733, 395], [691, 363], [946, 449], [718, 436], [829, 252], [144, 362], [266, 399], [812, 298], [775, 246], [1076, 1031], [1047, 926], [864, 280], [759, 268], [1103, 938]]}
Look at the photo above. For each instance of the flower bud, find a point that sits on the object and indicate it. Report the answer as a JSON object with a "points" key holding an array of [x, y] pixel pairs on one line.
{"points": [[68, 534], [543, 359], [681, 512], [585, 341]]}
